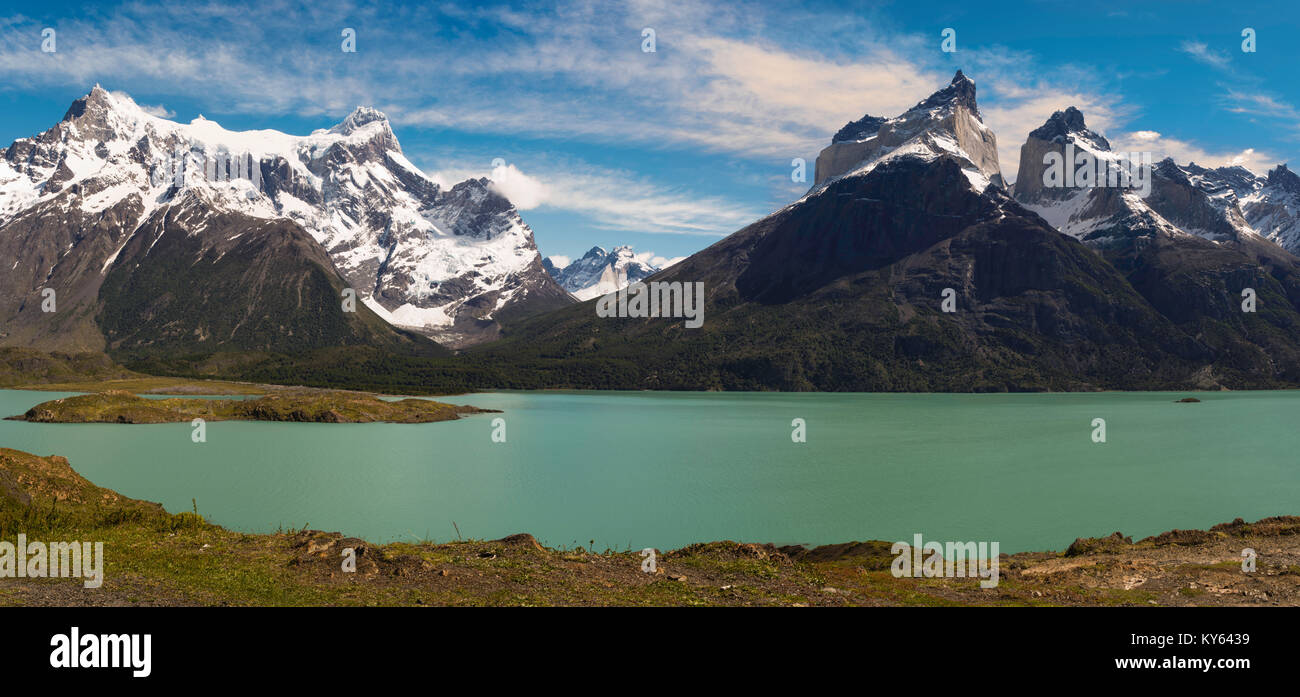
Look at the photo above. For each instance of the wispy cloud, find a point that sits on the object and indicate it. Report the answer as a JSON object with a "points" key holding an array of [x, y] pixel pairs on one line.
{"points": [[574, 71], [612, 199], [1202, 52], [738, 79], [1259, 104], [1242, 92], [714, 85], [157, 110]]}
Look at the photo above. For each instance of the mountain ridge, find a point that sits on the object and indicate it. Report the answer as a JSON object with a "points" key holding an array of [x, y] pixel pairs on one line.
{"points": [[446, 263], [843, 289], [599, 272]]}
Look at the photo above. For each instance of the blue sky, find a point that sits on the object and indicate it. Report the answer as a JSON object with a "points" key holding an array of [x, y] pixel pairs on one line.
{"points": [[671, 150]]}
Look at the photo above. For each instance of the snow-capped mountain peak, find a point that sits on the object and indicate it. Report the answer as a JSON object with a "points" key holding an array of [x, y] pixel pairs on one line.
{"points": [[361, 116], [960, 91], [442, 262], [599, 272], [1068, 125], [1175, 200], [1284, 179], [1273, 207], [947, 123]]}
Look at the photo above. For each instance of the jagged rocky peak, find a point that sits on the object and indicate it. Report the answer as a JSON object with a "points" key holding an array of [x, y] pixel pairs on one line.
{"points": [[1169, 169], [1240, 180], [945, 123], [960, 91], [1284, 179], [1272, 207], [96, 100], [599, 272], [1061, 125], [365, 134], [443, 262], [1235, 182], [861, 129], [1062, 129], [99, 116], [1167, 201], [359, 117]]}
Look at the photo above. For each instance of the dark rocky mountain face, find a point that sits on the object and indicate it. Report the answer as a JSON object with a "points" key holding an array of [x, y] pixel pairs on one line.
{"points": [[1284, 179], [195, 280], [1198, 207], [49, 247], [901, 209], [1187, 248], [1272, 205], [861, 129], [859, 306], [843, 290]]}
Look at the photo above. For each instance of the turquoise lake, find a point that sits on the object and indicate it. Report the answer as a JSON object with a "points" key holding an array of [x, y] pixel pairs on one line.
{"points": [[653, 469]]}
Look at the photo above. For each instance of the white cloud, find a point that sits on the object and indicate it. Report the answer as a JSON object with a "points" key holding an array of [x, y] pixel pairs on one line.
{"points": [[620, 201], [524, 191], [157, 110], [722, 81], [573, 71], [610, 199], [1203, 53], [1260, 104], [657, 261], [559, 260], [728, 78], [1184, 152]]}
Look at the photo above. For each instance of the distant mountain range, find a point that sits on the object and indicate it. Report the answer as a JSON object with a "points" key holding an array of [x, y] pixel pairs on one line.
{"points": [[844, 288], [599, 272], [160, 237], [910, 265]]}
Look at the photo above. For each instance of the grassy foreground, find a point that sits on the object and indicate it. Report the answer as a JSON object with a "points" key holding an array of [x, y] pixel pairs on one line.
{"points": [[153, 557], [321, 406]]}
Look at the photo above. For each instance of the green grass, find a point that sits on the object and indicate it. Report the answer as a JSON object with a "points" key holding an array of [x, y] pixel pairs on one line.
{"points": [[116, 406]]}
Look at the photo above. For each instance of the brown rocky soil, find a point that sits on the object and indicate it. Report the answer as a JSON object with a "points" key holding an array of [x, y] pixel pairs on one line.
{"points": [[157, 558]]}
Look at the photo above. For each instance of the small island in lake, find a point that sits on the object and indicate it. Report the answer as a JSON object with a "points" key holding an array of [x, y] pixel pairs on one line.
{"points": [[306, 405], [1188, 400]]}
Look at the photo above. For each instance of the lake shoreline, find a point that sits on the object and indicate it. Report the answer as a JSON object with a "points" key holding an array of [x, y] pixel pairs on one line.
{"points": [[667, 469], [157, 558]]}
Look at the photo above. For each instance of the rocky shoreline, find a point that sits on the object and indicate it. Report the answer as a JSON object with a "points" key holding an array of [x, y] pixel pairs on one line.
{"points": [[158, 558]]}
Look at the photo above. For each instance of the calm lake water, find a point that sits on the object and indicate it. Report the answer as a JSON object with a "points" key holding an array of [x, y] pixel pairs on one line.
{"points": [[667, 469]]}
